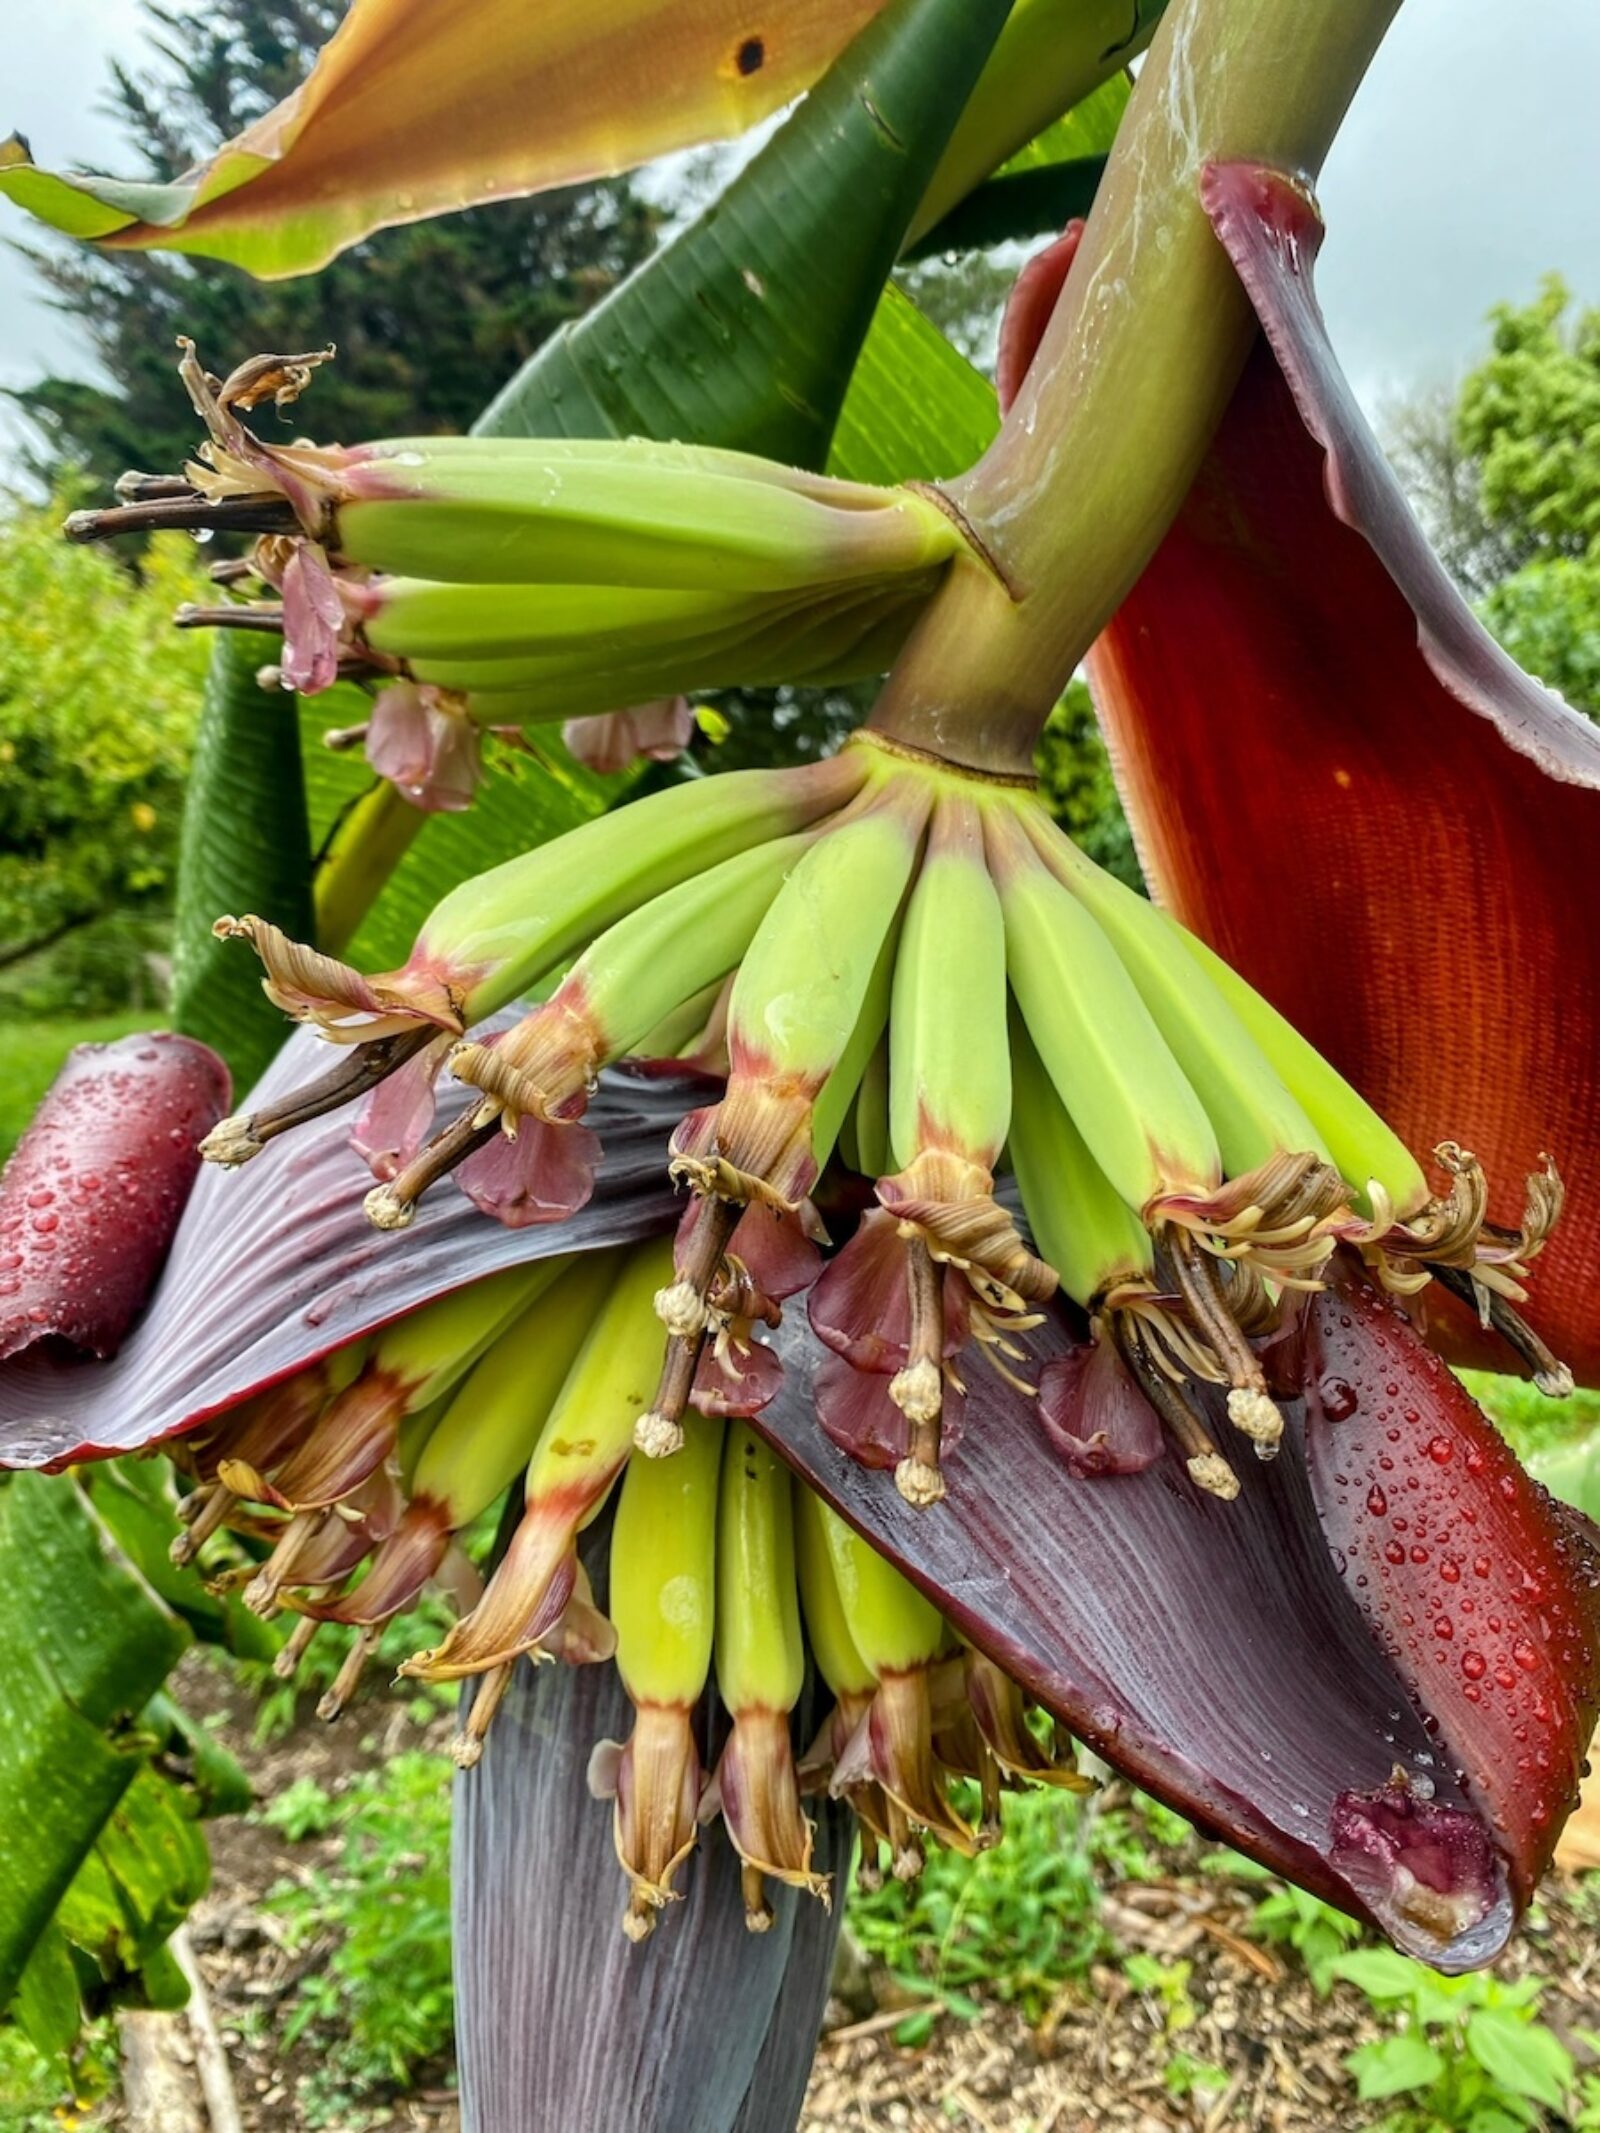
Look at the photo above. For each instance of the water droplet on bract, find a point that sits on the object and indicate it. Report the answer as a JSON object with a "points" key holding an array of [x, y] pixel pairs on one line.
{"points": [[1474, 1665], [202, 535], [1377, 1501], [1441, 1451], [1338, 1397]]}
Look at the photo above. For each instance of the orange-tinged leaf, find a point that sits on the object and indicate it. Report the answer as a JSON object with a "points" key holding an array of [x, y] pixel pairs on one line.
{"points": [[416, 107]]}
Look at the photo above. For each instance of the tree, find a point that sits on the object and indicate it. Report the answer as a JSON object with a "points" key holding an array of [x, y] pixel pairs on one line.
{"points": [[421, 316], [1505, 475], [98, 698]]}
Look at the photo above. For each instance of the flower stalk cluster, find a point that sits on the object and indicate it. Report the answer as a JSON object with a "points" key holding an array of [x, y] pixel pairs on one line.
{"points": [[359, 1476], [908, 969], [481, 585]]}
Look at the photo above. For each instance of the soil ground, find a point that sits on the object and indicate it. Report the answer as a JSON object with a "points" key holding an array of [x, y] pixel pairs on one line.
{"points": [[1096, 2063]]}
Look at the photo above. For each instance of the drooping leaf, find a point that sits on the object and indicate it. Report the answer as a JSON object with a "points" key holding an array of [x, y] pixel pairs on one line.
{"points": [[246, 847], [743, 331], [720, 2025], [414, 108], [87, 1644], [1251, 1663], [275, 1264], [137, 1501], [1408, 817]]}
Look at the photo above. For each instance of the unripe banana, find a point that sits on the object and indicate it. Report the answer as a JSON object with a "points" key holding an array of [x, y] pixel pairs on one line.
{"points": [[599, 512], [827, 1620], [663, 1607], [1081, 1224], [635, 974], [1254, 1115], [1364, 1149], [580, 1452], [1114, 1071], [760, 1662], [798, 1000], [899, 1636], [892, 1627], [844, 1085], [950, 1071], [496, 935], [488, 1431]]}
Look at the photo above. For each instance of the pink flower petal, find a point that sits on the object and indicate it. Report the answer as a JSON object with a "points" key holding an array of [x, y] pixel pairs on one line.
{"points": [[861, 1308], [857, 1414], [739, 1382], [1094, 1414], [313, 621], [614, 740], [396, 1118], [431, 754], [544, 1175]]}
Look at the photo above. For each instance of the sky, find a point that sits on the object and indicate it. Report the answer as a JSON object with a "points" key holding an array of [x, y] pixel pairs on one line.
{"points": [[1468, 167]]}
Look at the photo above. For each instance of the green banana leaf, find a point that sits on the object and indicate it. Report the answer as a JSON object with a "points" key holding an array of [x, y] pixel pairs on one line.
{"points": [[246, 846], [1042, 186], [87, 1644]]}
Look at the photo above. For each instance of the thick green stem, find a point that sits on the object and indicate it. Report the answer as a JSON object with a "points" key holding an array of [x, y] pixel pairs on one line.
{"points": [[363, 852], [1133, 374]]}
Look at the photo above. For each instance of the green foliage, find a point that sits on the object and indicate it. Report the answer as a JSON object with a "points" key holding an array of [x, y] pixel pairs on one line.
{"points": [[1506, 476], [1533, 1423], [1471, 2056], [106, 1776], [1018, 1921], [381, 2003], [1076, 785], [1547, 615], [1530, 416], [97, 710], [428, 319], [1318, 1934], [282, 1705], [31, 1056]]}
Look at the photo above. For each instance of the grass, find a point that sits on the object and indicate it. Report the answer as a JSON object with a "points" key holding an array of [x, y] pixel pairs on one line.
{"points": [[31, 1055]]}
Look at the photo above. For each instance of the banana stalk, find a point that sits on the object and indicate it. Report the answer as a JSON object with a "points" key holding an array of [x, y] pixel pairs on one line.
{"points": [[760, 1662], [663, 1607]]}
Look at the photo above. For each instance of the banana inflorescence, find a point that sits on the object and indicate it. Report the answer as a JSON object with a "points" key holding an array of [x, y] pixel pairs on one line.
{"points": [[487, 584], [908, 968], [900, 968], [716, 1558]]}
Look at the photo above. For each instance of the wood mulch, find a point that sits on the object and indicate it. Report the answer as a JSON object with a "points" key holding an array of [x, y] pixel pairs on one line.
{"points": [[1097, 2063]]}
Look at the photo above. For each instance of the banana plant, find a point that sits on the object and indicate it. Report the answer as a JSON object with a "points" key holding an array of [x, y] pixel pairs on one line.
{"points": [[1079, 1258]]}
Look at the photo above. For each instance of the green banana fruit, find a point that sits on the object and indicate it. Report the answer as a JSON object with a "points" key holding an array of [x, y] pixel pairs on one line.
{"points": [[760, 1667], [662, 1602]]}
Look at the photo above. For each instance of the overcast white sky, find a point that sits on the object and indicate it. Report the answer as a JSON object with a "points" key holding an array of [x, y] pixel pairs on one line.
{"points": [[1469, 166]]}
